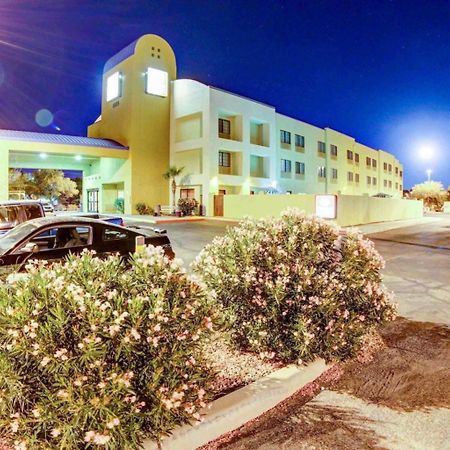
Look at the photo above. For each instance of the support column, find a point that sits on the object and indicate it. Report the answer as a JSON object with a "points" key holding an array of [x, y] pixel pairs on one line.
{"points": [[4, 167]]}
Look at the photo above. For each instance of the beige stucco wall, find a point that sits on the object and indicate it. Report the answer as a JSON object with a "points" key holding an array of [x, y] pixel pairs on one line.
{"points": [[447, 207], [352, 209], [357, 210], [262, 205]]}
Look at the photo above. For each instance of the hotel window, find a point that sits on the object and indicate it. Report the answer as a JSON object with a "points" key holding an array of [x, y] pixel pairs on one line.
{"points": [[224, 159], [299, 140], [356, 157], [396, 185], [369, 181], [385, 183], [187, 193], [390, 184], [401, 187], [374, 163], [114, 86], [396, 171], [349, 176], [349, 155], [384, 166], [334, 174], [368, 161], [401, 173], [374, 181], [390, 167], [92, 200], [224, 126], [356, 177], [299, 168], [285, 137], [321, 147], [321, 172], [285, 165], [333, 150]]}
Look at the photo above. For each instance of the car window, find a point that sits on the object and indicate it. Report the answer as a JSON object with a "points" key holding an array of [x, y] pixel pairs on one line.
{"points": [[9, 216], [114, 234], [32, 211], [58, 238]]}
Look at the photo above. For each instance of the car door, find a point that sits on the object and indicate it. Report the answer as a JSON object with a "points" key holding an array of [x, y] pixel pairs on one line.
{"points": [[111, 239]]}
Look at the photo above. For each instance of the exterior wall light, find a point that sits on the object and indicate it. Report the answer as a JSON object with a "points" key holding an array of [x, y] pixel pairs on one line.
{"points": [[43, 155], [78, 157], [113, 86]]}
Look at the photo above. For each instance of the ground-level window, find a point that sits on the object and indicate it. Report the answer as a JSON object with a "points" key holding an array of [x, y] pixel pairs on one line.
{"points": [[187, 193], [92, 200]]}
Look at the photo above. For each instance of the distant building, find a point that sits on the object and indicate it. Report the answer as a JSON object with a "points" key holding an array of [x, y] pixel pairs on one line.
{"points": [[228, 144]]}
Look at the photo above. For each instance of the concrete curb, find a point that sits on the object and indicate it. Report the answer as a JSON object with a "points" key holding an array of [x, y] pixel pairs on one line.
{"points": [[235, 409]]}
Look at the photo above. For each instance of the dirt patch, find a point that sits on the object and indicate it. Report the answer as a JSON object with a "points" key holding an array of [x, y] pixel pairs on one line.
{"points": [[411, 371]]}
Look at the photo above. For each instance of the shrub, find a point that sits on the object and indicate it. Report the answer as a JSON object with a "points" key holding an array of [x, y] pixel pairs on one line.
{"points": [[187, 205], [94, 354], [295, 287], [144, 209]]}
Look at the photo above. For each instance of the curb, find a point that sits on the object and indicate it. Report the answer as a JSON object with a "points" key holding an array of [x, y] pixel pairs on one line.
{"points": [[237, 408]]}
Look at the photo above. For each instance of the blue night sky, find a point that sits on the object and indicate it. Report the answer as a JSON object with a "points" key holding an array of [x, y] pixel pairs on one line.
{"points": [[376, 70]]}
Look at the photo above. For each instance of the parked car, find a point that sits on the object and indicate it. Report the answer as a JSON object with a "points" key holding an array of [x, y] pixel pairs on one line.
{"points": [[48, 207], [14, 212], [117, 220], [53, 238]]}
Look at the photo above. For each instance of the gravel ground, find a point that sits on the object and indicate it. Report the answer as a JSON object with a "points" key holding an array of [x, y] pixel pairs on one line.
{"points": [[235, 369]]}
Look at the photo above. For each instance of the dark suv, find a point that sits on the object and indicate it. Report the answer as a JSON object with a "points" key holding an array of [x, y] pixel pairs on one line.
{"points": [[13, 212]]}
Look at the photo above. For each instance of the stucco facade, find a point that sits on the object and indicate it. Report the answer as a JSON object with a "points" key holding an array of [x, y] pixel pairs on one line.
{"points": [[227, 144]]}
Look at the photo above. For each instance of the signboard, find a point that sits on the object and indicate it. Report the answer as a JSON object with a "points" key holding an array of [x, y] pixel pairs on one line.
{"points": [[326, 206]]}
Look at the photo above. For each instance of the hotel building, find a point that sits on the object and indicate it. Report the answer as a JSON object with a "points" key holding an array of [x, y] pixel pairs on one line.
{"points": [[227, 144]]}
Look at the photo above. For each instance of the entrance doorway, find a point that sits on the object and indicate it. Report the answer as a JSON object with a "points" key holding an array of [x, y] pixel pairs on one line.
{"points": [[218, 205], [92, 200]]}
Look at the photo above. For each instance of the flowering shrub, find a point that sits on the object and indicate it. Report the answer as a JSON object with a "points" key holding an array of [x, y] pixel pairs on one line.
{"points": [[296, 287], [92, 354], [187, 206]]}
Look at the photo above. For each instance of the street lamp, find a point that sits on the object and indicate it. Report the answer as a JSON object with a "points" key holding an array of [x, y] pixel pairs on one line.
{"points": [[429, 174]]}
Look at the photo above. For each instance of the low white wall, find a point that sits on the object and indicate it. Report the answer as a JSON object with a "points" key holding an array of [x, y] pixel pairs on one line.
{"points": [[447, 207], [358, 210], [351, 209]]}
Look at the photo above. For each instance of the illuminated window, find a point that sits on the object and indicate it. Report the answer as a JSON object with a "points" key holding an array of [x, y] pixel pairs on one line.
{"points": [[113, 86], [157, 82]]}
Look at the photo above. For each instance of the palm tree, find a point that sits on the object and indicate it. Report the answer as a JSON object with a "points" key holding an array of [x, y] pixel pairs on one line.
{"points": [[171, 174]]}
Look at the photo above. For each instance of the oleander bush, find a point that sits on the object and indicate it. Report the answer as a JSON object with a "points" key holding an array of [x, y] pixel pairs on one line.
{"points": [[296, 287], [95, 354]]}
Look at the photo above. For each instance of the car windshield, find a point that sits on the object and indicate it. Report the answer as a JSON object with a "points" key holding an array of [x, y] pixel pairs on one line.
{"points": [[8, 240]]}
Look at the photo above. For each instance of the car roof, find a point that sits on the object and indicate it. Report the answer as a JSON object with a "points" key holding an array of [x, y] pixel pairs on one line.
{"points": [[42, 221], [20, 202]]}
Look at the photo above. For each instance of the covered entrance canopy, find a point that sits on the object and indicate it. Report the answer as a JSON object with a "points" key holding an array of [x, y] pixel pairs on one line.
{"points": [[103, 162]]}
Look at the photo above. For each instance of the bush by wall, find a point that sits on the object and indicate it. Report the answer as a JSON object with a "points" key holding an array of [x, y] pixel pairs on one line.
{"points": [[94, 355], [295, 287], [187, 205]]}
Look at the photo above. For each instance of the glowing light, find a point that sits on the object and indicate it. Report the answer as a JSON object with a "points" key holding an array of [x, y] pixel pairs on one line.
{"points": [[426, 152], [326, 206], [429, 171], [43, 118], [274, 183], [78, 157], [157, 82], [113, 86], [43, 155]]}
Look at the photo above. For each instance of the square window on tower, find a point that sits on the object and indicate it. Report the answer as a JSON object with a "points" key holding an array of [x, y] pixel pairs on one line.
{"points": [[157, 82], [113, 86]]}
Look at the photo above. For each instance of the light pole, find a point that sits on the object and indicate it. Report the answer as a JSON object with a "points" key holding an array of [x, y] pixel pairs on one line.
{"points": [[429, 174]]}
